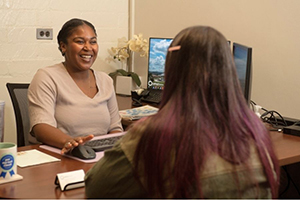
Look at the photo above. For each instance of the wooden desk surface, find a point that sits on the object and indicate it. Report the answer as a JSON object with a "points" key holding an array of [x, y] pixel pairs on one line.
{"points": [[38, 181], [287, 147], [125, 102]]}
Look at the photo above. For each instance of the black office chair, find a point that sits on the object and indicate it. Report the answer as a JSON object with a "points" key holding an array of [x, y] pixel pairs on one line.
{"points": [[18, 95]]}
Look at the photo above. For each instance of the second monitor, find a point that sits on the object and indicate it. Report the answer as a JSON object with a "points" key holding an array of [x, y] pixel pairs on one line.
{"points": [[158, 48], [243, 61]]}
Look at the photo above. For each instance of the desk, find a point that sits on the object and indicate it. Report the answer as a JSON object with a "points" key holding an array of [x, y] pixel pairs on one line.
{"points": [[287, 147], [125, 102], [38, 181]]}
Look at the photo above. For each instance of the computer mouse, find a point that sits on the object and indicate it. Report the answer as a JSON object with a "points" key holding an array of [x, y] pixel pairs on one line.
{"points": [[83, 152]]}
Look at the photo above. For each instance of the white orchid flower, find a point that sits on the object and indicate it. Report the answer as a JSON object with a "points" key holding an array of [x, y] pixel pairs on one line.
{"points": [[124, 48]]}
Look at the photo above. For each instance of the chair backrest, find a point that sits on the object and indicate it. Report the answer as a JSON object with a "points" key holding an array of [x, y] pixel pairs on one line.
{"points": [[18, 95]]}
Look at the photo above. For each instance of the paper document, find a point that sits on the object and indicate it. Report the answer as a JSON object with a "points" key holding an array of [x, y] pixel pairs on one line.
{"points": [[139, 112], [33, 157]]}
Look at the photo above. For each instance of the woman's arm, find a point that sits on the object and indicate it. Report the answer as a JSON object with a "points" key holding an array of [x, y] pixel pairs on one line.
{"points": [[42, 99], [53, 136]]}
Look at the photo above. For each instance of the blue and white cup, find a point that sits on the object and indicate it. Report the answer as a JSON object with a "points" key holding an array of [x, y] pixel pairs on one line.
{"points": [[8, 164]]}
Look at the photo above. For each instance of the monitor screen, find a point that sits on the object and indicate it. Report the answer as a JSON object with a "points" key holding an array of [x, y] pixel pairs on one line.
{"points": [[243, 61], [158, 48]]}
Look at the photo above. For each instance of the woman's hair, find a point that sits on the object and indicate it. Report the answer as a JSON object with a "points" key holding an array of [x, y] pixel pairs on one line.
{"points": [[68, 29], [202, 111]]}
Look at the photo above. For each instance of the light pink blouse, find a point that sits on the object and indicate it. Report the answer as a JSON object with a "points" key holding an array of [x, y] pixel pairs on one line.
{"points": [[55, 99]]}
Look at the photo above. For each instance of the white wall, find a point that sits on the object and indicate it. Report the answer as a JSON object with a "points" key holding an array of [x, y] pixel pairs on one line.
{"points": [[270, 27], [21, 54]]}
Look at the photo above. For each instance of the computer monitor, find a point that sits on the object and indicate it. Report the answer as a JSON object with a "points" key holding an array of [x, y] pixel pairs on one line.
{"points": [[158, 48], [243, 61]]}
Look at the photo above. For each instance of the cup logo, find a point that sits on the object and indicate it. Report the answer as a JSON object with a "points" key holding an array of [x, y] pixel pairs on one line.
{"points": [[6, 163]]}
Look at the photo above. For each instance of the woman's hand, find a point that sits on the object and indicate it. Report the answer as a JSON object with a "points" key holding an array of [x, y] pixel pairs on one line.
{"points": [[74, 142]]}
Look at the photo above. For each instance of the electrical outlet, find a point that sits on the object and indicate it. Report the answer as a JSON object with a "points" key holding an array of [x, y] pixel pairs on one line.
{"points": [[44, 33]]}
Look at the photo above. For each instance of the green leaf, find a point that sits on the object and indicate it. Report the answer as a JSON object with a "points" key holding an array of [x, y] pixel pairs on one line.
{"points": [[123, 72], [135, 78], [113, 74]]}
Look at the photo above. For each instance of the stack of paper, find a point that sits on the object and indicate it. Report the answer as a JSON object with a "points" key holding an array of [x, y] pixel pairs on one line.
{"points": [[33, 157], [138, 113]]}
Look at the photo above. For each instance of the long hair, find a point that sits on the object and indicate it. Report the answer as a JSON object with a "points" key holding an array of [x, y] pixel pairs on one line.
{"points": [[202, 110]]}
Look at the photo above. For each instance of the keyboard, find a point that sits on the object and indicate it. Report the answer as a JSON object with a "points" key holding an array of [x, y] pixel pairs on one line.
{"points": [[103, 143], [153, 97]]}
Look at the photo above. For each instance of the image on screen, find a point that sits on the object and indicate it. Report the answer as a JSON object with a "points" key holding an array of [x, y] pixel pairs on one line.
{"points": [[241, 65], [242, 58], [158, 48]]}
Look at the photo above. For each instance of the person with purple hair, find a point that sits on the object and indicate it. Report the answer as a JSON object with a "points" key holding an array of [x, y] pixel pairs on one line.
{"points": [[204, 142]]}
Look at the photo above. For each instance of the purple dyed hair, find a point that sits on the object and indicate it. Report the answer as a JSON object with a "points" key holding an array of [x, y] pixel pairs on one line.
{"points": [[203, 110]]}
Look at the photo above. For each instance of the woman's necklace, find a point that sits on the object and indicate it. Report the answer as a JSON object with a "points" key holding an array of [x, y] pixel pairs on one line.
{"points": [[89, 77], [92, 84], [87, 88]]}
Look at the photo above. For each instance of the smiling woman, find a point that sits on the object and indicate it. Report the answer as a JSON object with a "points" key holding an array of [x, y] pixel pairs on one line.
{"points": [[80, 48], [61, 96]]}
